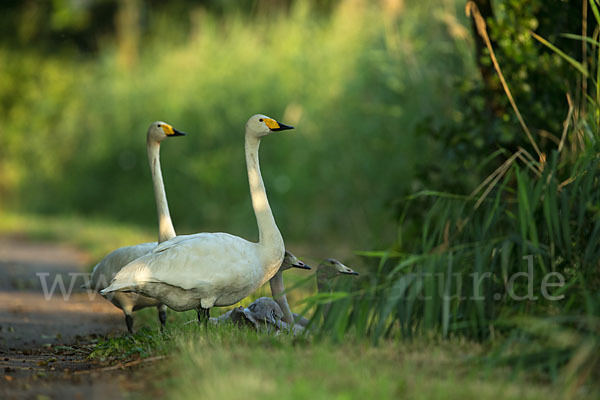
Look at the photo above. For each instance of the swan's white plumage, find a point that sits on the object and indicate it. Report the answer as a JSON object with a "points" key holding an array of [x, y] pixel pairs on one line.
{"points": [[219, 270], [212, 269]]}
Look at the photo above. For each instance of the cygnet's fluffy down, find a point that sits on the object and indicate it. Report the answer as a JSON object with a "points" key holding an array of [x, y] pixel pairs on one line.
{"points": [[264, 314]]}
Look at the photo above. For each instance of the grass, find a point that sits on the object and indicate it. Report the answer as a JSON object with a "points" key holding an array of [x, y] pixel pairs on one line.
{"points": [[228, 363]]}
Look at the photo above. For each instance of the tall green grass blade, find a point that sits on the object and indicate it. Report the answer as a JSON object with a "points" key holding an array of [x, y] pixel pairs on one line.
{"points": [[447, 298], [595, 10], [582, 38], [565, 222], [567, 58], [395, 297], [523, 208]]}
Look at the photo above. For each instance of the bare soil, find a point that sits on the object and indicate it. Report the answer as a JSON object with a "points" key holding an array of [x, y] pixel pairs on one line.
{"points": [[45, 340]]}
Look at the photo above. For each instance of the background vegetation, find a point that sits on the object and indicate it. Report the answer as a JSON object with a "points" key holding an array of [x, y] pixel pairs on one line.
{"points": [[351, 78], [409, 148]]}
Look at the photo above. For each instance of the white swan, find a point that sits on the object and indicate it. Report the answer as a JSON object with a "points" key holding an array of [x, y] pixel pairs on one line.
{"points": [[110, 265], [213, 269]]}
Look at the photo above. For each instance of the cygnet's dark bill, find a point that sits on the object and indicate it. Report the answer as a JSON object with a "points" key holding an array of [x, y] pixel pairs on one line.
{"points": [[301, 265]]}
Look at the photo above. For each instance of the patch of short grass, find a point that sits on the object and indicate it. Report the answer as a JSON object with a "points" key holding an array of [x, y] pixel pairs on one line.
{"points": [[226, 362]]}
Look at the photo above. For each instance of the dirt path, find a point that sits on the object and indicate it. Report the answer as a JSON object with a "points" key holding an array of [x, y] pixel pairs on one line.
{"points": [[44, 339]]}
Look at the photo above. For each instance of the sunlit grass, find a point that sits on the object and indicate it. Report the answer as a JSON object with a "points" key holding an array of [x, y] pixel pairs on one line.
{"points": [[272, 371], [226, 362]]}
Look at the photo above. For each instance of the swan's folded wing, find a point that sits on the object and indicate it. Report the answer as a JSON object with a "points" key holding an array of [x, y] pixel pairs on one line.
{"points": [[186, 263], [136, 272]]}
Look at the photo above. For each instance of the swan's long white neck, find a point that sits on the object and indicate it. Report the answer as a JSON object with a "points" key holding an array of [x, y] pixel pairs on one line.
{"points": [[270, 241], [277, 291], [166, 230]]}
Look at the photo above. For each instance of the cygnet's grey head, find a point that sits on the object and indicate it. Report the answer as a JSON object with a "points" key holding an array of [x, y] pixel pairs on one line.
{"points": [[328, 271], [334, 267], [291, 261], [265, 309]]}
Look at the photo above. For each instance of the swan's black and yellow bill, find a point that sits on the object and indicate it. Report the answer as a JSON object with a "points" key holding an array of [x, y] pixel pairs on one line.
{"points": [[301, 265], [170, 131], [276, 126]]}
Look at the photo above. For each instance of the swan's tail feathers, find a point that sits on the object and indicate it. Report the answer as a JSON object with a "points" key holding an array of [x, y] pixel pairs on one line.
{"points": [[106, 291], [117, 287]]}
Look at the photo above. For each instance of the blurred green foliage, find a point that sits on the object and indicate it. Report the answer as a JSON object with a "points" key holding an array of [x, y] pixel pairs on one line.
{"points": [[354, 78], [538, 78]]}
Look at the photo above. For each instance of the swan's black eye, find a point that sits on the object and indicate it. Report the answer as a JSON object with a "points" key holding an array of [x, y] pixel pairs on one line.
{"points": [[261, 120], [158, 125]]}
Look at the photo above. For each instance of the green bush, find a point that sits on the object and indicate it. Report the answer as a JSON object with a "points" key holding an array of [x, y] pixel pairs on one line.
{"points": [[538, 78]]}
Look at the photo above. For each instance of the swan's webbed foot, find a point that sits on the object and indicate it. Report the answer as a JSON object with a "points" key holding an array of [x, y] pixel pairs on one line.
{"points": [[129, 322]]}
